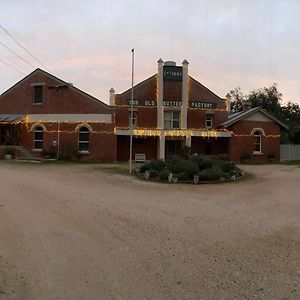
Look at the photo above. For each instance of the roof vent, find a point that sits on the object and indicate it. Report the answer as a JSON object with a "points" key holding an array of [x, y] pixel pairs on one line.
{"points": [[170, 63]]}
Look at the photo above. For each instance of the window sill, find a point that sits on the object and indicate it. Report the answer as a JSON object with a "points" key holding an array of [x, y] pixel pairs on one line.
{"points": [[37, 103], [257, 153], [37, 150], [84, 152]]}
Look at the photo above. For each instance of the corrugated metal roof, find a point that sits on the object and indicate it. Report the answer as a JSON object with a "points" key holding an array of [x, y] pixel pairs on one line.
{"points": [[243, 114], [11, 117]]}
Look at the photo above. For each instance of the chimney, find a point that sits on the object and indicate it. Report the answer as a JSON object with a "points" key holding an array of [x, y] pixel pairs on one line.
{"points": [[112, 97], [246, 105], [228, 103]]}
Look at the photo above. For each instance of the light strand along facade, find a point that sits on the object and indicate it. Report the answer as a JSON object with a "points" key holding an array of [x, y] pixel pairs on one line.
{"points": [[44, 114]]}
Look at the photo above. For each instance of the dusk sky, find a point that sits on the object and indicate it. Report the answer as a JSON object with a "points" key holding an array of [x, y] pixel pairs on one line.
{"points": [[247, 44]]}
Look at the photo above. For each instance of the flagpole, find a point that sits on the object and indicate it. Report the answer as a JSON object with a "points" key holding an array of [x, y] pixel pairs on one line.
{"points": [[131, 112]]}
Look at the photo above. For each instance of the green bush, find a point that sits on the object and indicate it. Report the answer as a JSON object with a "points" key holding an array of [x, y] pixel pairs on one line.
{"points": [[182, 176], [145, 167], [163, 175], [154, 164], [224, 157], [173, 163], [212, 174], [153, 173], [205, 163]]}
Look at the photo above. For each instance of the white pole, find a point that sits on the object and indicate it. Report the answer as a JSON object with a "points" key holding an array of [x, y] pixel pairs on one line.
{"points": [[58, 139], [131, 112]]}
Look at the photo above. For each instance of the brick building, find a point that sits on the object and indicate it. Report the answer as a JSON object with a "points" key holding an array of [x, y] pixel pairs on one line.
{"points": [[45, 115], [172, 110]]}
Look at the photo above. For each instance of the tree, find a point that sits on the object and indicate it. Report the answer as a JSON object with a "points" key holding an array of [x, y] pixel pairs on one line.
{"points": [[269, 99], [236, 99]]}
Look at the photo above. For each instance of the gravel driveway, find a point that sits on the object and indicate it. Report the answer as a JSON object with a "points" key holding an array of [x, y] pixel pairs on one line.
{"points": [[75, 232]]}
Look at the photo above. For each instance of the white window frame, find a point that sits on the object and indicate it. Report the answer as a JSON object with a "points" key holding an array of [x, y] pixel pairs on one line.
{"points": [[84, 142], [169, 119], [134, 119], [38, 140], [257, 134], [209, 121]]}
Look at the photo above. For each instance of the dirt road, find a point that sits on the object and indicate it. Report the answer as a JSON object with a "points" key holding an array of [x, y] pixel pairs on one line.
{"points": [[74, 232]]}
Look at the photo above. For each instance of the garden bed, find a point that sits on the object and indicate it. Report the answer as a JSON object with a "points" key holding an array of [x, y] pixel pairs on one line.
{"points": [[196, 169]]}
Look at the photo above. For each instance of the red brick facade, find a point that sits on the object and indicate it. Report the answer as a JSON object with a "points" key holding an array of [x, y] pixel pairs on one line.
{"points": [[60, 101], [169, 113]]}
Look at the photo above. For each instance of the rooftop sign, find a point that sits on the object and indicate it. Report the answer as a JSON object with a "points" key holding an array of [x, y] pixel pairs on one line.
{"points": [[172, 73]]}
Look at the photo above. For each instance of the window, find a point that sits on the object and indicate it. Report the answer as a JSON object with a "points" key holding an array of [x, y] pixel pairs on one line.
{"points": [[172, 120], [209, 121], [37, 94], [83, 139], [257, 141], [134, 118], [38, 138]]}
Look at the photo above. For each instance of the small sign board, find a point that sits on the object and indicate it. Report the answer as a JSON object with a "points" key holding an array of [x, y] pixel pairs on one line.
{"points": [[204, 105], [139, 102], [172, 73]]}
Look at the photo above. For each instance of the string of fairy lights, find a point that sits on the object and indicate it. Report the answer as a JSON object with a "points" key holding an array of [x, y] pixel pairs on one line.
{"points": [[138, 132]]}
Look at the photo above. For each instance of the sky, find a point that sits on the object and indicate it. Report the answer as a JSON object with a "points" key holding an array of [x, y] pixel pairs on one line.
{"points": [[229, 43]]}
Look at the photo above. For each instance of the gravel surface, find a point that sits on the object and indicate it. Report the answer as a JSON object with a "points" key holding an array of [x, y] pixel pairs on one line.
{"points": [[74, 232]]}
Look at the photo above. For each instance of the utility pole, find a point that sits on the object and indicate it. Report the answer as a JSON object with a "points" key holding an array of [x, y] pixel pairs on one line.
{"points": [[131, 112]]}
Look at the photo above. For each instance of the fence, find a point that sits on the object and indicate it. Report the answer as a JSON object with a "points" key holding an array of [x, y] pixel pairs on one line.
{"points": [[289, 152]]}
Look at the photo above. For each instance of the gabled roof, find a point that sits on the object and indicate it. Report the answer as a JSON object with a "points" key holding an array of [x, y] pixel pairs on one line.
{"points": [[57, 79], [139, 84], [233, 118], [207, 89]]}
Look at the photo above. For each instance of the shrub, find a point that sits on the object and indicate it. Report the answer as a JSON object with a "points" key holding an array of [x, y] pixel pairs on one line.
{"points": [[182, 176], [190, 168], [196, 159], [10, 150], [145, 167], [223, 157], [212, 174], [173, 163], [154, 164], [153, 173], [205, 163], [163, 175]]}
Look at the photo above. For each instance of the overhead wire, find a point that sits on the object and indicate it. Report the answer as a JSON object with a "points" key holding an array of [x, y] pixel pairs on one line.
{"points": [[11, 66], [15, 40], [20, 57]]}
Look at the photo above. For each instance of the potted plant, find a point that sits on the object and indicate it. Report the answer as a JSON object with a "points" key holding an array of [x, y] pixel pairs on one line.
{"points": [[9, 152]]}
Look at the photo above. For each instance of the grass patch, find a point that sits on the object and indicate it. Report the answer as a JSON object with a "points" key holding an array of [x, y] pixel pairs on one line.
{"points": [[110, 169], [291, 162]]}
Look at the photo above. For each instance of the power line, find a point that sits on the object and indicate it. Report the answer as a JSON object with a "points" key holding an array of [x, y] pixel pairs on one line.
{"points": [[9, 65], [23, 47], [11, 61], [20, 57]]}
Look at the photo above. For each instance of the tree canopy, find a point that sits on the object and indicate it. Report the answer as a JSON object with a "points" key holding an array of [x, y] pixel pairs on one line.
{"points": [[270, 99]]}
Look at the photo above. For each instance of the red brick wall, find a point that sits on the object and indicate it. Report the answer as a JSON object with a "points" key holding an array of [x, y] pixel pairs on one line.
{"points": [[19, 99], [172, 90], [147, 116], [218, 146], [149, 147], [241, 145], [197, 117], [102, 145]]}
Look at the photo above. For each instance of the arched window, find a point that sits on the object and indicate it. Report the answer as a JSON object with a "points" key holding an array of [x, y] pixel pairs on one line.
{"points": [[257, 141], [83, 139], [38, 138]]}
